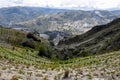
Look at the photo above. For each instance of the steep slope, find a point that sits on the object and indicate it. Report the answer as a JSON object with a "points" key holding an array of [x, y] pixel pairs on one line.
{"points": [[75, 22], [98, 40], [11, 15]]}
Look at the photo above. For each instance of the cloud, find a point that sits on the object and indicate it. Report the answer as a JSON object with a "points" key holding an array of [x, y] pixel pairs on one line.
{"points": [[17, 1], [70, 4]]}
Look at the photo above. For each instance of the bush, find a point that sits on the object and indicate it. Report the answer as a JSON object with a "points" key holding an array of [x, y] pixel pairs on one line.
{"points": [[28, 43], [14, 77], [34, 37], [43, 51]]}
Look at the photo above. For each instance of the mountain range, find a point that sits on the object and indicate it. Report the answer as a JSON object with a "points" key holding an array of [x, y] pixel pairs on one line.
{"points": [[54, 22], [74, 22], [11, 15], [46, 19]]}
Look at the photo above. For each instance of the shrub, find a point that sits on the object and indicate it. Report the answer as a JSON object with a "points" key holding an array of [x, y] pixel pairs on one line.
{"points": [[21, 71], [14, 77], [43, 51], [34, 37], [28, 43]]}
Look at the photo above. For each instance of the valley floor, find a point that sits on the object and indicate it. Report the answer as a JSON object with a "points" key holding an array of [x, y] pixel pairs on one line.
{"points": [[23, 64]]}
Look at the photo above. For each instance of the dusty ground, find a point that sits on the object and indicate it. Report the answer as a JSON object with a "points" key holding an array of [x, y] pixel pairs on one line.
{"points": [[99, 67], [9, 71]]}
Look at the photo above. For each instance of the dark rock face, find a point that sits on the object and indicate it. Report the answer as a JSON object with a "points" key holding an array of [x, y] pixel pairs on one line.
{"points": [[53, 34]]}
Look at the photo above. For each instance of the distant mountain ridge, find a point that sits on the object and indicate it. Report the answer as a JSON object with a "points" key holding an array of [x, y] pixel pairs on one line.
{"points": [[70, 22], [17, 14], [74, 22], [117, 12]]}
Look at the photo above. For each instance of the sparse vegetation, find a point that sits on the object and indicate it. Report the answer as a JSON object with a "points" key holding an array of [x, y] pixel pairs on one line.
{"points": [[21, 62], [14, 77], [21, 71], [96, 66]]}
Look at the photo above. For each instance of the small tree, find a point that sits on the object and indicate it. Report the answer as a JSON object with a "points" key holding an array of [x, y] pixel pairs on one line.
{"points": [[42, 51]]}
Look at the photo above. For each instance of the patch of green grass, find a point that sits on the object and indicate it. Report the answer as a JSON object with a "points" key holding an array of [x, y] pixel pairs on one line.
{"points": [[28, 58], [0, 74], [21, 71], [89, 76]]}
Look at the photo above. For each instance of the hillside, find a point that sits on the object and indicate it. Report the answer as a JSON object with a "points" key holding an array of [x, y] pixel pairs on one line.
{"points": [[11, 15], [25, 64], [25, 55], [22, 62], [11, 38], [99, 39], [74, 22]]}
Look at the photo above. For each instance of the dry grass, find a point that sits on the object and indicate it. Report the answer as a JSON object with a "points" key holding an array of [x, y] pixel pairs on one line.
{"points": [[25, 65]]}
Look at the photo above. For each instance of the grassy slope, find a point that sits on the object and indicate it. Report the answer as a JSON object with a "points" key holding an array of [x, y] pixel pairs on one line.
{"points": [[105, 64], [16, 38], [16, 61], [29, 57]]}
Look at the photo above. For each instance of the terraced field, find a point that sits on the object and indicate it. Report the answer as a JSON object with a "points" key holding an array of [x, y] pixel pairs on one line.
{"points": [[23, 64]]}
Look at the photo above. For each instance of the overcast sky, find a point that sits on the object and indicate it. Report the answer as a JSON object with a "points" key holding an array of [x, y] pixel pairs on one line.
{"points": [[69, 4]]}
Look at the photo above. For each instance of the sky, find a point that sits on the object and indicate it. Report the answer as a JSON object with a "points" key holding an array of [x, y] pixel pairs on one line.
{"points": [[64, 4]]}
